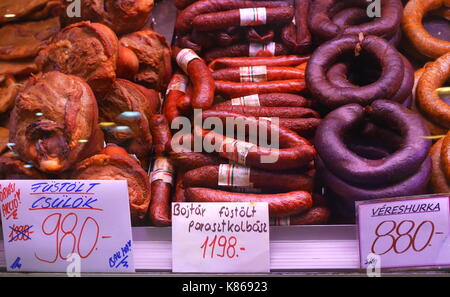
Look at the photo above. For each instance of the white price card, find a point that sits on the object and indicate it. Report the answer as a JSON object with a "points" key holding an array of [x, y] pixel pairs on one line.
{"points": [[71, 226], [404, 233], [220, 237]]}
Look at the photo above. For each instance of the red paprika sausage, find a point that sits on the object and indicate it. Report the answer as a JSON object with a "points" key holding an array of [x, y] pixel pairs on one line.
{"points": [[279, 112], [230, 175], [184, 20], [200, 76], [279, 204], [258, 74], [268, 100], [293, 152], [225, 19], [225, 62], [161, 134], [176, 89], [233, 89], [247, 50], [161, 188]]}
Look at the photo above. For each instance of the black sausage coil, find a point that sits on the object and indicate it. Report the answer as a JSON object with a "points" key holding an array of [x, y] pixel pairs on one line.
{"points": [[326, 21], [393, 82], [404, 171]]}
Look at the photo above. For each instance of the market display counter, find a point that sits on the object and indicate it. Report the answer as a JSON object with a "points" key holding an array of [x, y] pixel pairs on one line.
{"points": [[293, 248]]}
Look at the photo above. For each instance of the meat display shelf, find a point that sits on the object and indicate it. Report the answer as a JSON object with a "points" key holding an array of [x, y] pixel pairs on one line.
{"points": [[292, 248]]}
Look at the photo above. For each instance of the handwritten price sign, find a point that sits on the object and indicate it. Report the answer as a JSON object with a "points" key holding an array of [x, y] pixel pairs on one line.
{"points": [[47, 225], [404, 233], [220, 237]]}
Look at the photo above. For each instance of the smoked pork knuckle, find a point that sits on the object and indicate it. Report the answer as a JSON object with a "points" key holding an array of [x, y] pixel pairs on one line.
{"points": [[88, 50], [122, 16], [128, 107], [114, 163], [153, 53], [54, 122]]}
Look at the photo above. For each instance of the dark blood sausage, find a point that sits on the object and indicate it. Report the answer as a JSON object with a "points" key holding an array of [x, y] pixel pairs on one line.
{"points": [[321, 24], [338, 75], [269, 100], [225, 19], [286, 61], [280, 205], [199, 75], [177, 89], [354, 169], [333, 96], [161, 188], [245, 50], [208, 177], [297, 36], [293, 152], [161, 134], [258, 74], [279, 112], [185, 18], [233, 89], [349, 193]]}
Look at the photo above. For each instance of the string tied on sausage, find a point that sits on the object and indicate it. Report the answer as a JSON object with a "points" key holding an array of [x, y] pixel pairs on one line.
{"points": [[358, 47]]}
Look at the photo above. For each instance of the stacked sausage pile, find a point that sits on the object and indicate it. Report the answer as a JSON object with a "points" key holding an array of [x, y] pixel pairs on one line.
{"points": [[242, 28], [254, 78]]}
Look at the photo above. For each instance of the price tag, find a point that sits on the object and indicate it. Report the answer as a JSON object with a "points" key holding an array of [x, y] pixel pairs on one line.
{"points": [[66, 226], [220, 237], [404, 233]]}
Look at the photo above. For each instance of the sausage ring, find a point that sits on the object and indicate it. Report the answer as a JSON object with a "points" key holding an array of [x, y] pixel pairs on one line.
{"points": [[322, 11], [332, 96], [414, 30], [354, 169], [440, 156], [428, 100], [339, 73], [352, 175]]}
